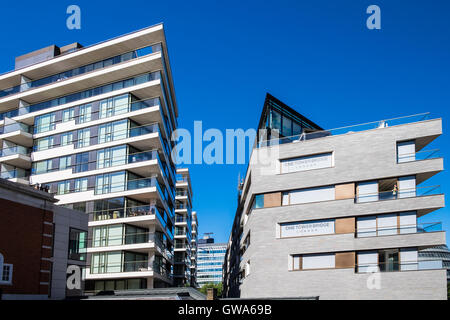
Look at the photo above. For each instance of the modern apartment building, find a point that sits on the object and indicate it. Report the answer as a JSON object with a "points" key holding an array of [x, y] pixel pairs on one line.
{"points": [[38, 242], [184, 248], [194, 249], [210, 259], [94, 124], [338, 214]]}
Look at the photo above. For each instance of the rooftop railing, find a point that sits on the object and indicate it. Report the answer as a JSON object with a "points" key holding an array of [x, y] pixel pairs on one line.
{"points": [[343, 130]]}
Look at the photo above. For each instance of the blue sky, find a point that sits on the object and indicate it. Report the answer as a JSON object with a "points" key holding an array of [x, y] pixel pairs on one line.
{"points": [[316, 56]]}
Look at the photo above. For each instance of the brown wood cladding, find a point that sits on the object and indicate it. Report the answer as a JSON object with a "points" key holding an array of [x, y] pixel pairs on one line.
{"points": [[272, 200], [345, 191], [345, 260], [345, 225]]}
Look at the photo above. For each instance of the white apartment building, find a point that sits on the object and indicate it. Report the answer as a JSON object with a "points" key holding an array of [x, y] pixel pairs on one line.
{"points": [[185, 235], [94, 124], [339, 214]]}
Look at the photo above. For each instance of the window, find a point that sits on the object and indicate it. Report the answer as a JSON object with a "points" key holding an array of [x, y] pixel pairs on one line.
{"points": [[319, 161], [111, 182], [82, 162], [309, 195], [83, 137], [44, 123], [68, 114], [258, 201], [81, 185], [65, 162], [85, 113], [63, 187], [111, 157], [45, 143], [318, 261], [406, 151], [66, 139], [112, 106], [5, 271], [42, 166], [77, 244]]}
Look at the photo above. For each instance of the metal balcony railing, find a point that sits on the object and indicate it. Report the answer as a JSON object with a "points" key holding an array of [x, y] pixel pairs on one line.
{"points": [[417, 156], [396, 229], [400, 266], [400, 194]]}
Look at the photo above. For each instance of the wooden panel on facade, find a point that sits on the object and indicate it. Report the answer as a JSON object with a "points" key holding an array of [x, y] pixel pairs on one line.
{"points": [[345, 260], [345, 191], [272, 200], [345, 225]]}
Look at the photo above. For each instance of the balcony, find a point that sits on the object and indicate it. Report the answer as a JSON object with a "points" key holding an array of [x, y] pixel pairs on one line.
{"points": [[395, 229], [400, 194], [17, 156], [419, 156], [142, 216], [137, 242], [16, 175], [400, 266], [18, 133]]}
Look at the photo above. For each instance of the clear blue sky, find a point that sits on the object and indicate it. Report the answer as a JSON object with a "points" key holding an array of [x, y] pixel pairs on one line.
{"points": [[316, 56]]}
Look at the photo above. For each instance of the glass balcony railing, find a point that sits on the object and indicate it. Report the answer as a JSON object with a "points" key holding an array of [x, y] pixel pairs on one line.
{"points": [[344, 130], [12, 127], [127, 266], [16, 173], [28, 85], [5, 152], [128, 239], [417, 156], [400, 266], [118, 85], [396, 229], [400, 194]]}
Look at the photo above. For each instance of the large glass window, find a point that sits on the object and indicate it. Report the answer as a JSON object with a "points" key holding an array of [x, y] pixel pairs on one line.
{"points": [[65, 162], [85, 113], [68, 114], [44, 123], [113, 106], [42, 166], [82, 162], [84, 137], [45, 143], [66, 138], [111, 182], [111, 157], [81, 184], [77, 244]]}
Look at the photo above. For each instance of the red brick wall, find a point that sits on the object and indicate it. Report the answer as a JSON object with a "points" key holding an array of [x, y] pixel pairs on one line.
{"points": [[21, 239]]}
